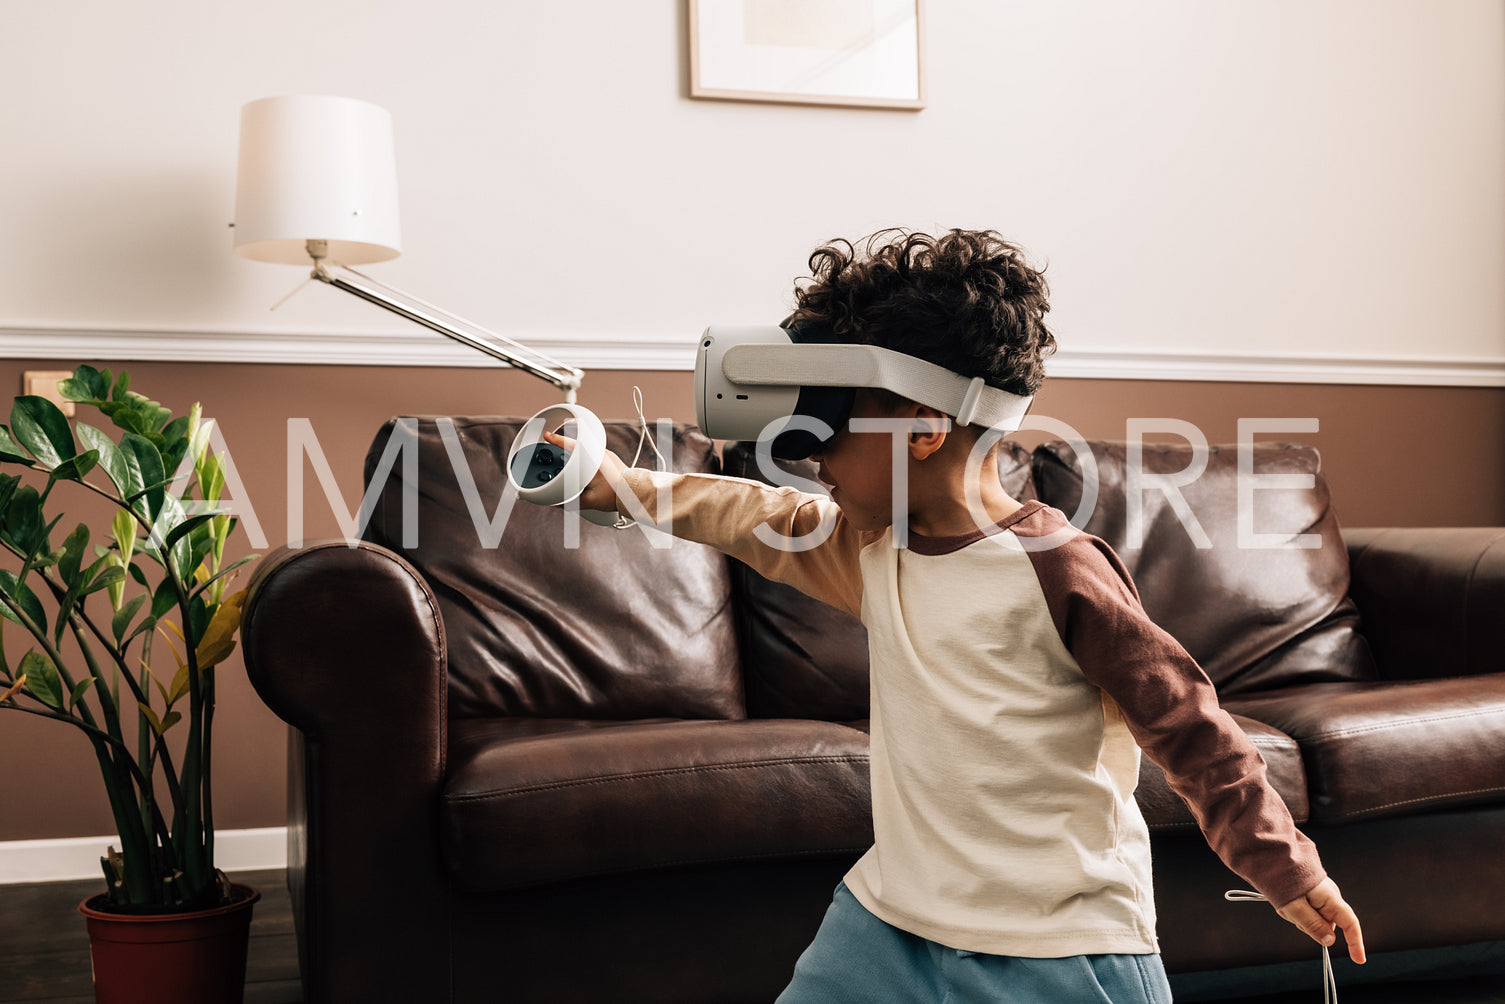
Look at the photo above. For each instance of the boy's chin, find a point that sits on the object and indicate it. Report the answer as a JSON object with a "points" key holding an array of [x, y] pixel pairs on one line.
{"points": [[861, 518]]}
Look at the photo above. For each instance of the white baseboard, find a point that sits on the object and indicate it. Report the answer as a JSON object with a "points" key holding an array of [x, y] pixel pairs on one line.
{"points": [[67, 858]]}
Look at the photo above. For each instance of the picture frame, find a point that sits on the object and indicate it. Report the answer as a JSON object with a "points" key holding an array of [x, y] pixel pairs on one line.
{"points": [[853, 53]]}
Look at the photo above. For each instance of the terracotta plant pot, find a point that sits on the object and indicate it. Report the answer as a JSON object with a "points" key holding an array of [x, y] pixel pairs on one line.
{"points": [[173, 958]]}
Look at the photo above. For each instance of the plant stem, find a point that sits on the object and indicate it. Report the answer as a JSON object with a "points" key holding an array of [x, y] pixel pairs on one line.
{"points": [[134, 776]]}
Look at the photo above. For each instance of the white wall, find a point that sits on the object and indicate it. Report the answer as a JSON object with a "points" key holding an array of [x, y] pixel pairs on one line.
{"points": [[1211, 176]]}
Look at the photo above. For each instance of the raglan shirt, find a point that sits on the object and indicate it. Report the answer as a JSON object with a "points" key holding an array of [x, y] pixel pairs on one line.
{"points": [[1015, 677]]}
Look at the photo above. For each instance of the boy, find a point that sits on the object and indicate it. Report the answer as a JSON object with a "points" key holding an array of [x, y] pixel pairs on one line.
{"points": [[1015, 676]]}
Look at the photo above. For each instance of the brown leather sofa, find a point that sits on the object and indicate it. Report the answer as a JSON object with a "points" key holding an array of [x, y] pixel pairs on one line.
{"points": [[533, 759]]}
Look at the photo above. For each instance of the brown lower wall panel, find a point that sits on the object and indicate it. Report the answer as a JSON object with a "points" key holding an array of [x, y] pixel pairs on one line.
{"points": [[1403, 456]]}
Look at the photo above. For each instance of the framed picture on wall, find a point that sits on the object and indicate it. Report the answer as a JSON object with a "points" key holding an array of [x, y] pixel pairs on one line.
{"points": [[866, 53]]}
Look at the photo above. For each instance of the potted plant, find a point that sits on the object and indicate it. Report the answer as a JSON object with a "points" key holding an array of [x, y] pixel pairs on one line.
{"points": [[123, 626]]}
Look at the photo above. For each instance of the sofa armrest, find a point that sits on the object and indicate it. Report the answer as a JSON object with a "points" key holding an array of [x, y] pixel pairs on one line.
{"points": [[1430, 598], [346, 645]]}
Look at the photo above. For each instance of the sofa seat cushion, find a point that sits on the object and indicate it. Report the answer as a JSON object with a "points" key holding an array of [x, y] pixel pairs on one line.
{"points": [[1164, 810], [528, 801], [1392, 748]]}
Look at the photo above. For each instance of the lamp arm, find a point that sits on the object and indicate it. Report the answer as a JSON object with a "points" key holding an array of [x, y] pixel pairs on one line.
{"points": [[567, 378]]}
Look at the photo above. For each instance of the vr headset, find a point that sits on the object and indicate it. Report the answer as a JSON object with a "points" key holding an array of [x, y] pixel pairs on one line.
{"points": [[795, 384]]}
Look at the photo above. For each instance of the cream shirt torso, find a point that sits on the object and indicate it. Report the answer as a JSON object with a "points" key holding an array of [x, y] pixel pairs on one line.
{"points": [[1003, 781]]}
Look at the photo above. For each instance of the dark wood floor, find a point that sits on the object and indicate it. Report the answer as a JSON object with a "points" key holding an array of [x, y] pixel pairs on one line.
{"points": [[44, 950], [44, 953]]}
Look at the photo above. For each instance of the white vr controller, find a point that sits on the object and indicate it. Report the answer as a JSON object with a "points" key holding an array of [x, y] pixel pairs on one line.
{"points": [[545, 474]]}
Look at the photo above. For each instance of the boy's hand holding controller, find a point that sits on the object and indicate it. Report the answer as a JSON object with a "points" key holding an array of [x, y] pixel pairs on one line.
{"points": [[601, 493]]}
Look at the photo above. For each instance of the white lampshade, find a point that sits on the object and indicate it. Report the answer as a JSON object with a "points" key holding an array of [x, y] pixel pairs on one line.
{"points": [[316, 168]]}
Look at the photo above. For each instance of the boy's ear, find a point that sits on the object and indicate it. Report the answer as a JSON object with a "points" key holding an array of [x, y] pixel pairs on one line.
{"points": [[929, 432]]}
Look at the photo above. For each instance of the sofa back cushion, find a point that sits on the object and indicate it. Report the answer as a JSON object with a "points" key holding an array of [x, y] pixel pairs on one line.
{"points": [[603, 626], [1258, 613], [802, 658]]}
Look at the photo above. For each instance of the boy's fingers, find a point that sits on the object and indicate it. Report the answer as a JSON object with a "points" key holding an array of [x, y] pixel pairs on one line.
{"points": [[1340, 914], [1319, 911], [1311, 923]]}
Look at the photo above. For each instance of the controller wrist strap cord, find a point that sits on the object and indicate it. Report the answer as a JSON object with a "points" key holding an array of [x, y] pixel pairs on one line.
{"points": [[1329, 979], [623, 520]]}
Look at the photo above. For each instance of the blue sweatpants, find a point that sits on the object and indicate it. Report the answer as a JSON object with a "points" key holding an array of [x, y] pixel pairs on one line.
{"points": [[858, 959]]}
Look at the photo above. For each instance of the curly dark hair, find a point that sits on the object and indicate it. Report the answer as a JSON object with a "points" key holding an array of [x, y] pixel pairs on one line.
{"points": [[966, 300]]}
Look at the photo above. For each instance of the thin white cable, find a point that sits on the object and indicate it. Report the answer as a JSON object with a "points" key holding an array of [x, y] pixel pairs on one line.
{"points": [[643, 437], [623, 521], [1329, 979]]}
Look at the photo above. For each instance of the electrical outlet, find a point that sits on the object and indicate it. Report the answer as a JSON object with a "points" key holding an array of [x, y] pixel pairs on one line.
{"points": [[43, 383]]}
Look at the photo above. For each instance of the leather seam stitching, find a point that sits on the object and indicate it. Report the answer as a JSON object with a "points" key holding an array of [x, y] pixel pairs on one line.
{"points": [[1322, 737], [674, 862], [1414, 801], [648, 774]]}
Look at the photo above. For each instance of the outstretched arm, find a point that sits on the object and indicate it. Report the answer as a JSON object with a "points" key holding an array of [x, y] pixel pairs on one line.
{"points": [[1172, 709], [798, 539]]}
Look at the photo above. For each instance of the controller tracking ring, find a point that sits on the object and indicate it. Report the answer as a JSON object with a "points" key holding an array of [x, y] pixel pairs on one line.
{"points": [[539, 476]]}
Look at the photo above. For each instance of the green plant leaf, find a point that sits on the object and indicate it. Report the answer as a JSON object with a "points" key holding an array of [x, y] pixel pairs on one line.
{"points": [[226, 571], [10, 450], [178, 428], [178, 532], [79, 689], [199, 615], [109, 458], [123, 415], [45, 555], [135, 413], [212, 476], [69, 564], [8, 485], [147, 624], [75, 468], [169, 514], [145, 463], [73, 576], [87, 385], [108, 577], [42, 679], [194, 549], [40, 427], [123, 528], [164, 599], [64, 611], [121, 622], [21, 524], [24, 598]]}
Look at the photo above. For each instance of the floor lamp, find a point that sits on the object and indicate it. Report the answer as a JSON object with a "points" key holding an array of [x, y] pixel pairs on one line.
{"points": [[317, 184]]}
